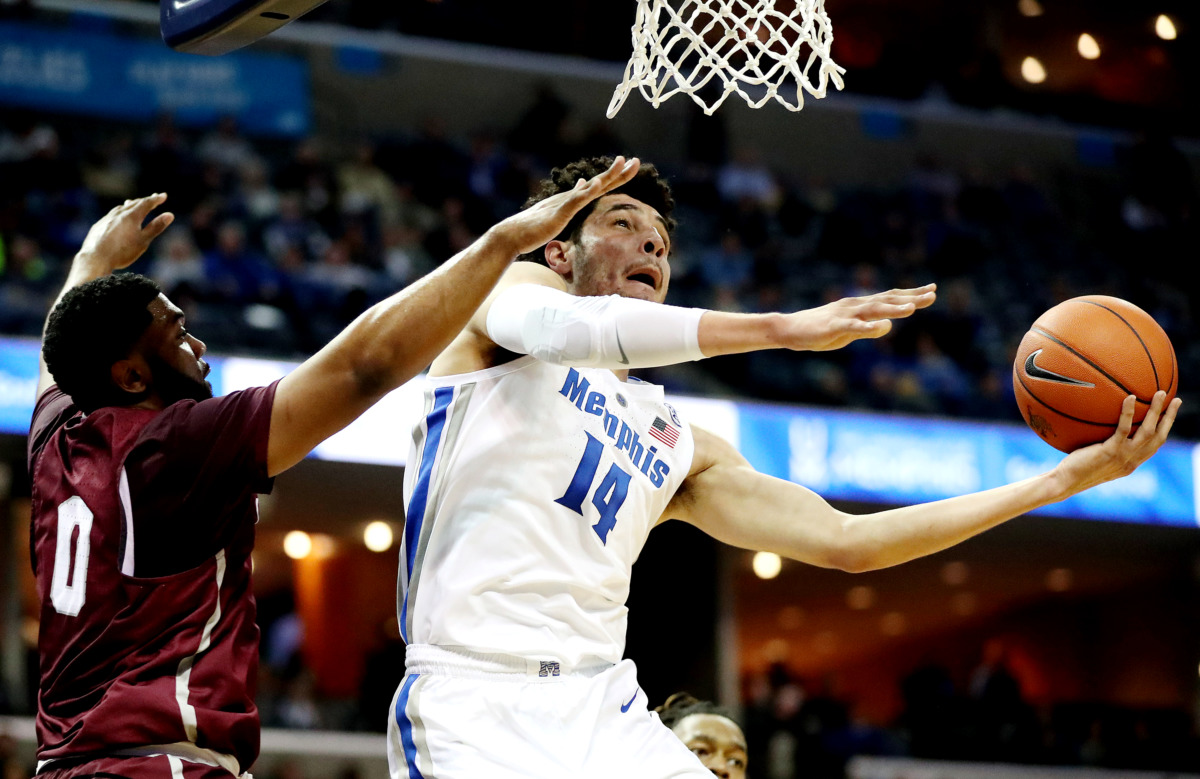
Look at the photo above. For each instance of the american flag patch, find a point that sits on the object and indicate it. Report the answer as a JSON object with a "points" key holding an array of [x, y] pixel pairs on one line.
{"points": [[664, 431]]}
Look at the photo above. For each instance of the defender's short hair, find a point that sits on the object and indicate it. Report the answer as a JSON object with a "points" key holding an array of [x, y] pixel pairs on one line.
{"points": [[682, 705], [93, 326], [647, 186]]}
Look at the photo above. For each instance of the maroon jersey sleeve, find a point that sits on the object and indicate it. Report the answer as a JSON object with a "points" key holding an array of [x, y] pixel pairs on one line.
{"points": [[53, 409], [192, 473]]}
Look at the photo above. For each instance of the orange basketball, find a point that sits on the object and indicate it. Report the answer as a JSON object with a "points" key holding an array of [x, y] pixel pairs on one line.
{"points": [[1081, 359]]}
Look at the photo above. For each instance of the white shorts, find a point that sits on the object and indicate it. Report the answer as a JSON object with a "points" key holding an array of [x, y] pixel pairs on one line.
{"points": [[460, 716]]}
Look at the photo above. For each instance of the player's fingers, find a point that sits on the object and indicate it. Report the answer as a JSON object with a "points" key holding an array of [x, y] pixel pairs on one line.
{"points": [[879, 309], [873, 329], [1125, 425], [920, 297], [602, 178], [911, 291], [1168, 420], [620, 172], [1150, 421], [143, 206], [157, 225]]}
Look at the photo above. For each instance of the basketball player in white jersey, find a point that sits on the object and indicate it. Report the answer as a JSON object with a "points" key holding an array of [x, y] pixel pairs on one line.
{"points": [[540, 467]]}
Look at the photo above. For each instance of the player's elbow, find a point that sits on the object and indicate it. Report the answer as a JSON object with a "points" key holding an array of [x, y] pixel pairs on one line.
{"points": [[372, 366], [850, 550], [848, 559]]}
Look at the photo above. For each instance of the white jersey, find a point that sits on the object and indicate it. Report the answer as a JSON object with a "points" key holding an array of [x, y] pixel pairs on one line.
{"points": [[529, 493]]}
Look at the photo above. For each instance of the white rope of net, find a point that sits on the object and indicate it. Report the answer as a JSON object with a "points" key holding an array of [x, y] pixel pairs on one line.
{"points": [[683, 45]]}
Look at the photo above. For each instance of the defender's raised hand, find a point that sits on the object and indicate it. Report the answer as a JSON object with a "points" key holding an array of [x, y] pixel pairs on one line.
{"points": [[119, 238], [541, 223], [844, 321]]}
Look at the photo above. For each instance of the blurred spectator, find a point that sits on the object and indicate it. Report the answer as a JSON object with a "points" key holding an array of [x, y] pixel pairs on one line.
{"points": [[110, 170], [308, 174], [366, 189], [293, 229], [225, 147], [727, 266], [255, 199], [236, 272], [10, 766], [1008, 729], [404, 256], [382, 674], [178, 266], [26, 285], [1161, 188], [296, 707], [745, 176]]}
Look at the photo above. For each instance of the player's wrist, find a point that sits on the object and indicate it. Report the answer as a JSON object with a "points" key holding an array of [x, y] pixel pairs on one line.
{"points": [[773, 329], [90, 264], [1057, 485]]}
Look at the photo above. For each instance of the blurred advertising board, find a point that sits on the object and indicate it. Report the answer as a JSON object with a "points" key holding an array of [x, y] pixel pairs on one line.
{"points": [[842, 455], [136, 79]]}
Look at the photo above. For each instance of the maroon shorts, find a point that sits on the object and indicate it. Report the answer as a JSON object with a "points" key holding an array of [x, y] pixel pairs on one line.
{"points": [[157, 767]]}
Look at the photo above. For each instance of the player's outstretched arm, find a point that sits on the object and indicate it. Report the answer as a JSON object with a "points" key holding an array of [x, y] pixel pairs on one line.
{"points": [[532, 313], [397, 338], [725, 497], [113, 243], [820, 329]]}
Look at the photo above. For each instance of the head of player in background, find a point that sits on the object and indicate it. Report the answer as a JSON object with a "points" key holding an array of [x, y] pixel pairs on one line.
{"points": [[620, 244], [118, 341], [709, 731]]}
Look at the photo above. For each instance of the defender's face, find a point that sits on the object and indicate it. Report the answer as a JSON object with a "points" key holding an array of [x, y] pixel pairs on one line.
{"points": [[175, 355], [622, 250], [717, 741]]}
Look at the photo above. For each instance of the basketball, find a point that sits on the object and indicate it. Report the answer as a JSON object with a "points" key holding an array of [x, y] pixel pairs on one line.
{"points": [[1078, 363]]}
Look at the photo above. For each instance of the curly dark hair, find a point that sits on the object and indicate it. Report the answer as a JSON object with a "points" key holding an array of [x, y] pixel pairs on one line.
{"points": [[93, 326], [647, 186], [682, 705]]}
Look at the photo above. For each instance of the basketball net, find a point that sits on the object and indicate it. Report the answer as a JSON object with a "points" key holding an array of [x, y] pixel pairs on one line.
{"points": [[684, 45]]}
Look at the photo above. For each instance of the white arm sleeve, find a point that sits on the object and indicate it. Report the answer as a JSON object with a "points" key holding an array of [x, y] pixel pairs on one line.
{"points": [[593, 332]]}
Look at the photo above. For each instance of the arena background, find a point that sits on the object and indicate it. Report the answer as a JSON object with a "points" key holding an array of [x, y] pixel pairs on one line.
{"points": [[352, 151]]}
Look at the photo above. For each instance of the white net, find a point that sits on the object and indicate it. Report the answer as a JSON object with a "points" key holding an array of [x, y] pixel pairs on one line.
{"points": [[710, 49]]}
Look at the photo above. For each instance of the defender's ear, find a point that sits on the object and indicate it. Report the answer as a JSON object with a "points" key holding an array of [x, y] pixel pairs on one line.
{"points": [[131, 375]]}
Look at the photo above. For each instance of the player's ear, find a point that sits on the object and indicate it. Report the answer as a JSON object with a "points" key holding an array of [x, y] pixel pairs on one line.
{"points": [[131, 375], [559, 257]]}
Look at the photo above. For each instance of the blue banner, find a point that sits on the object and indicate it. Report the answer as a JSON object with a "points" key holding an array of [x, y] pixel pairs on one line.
{"points": [[136, 79], [900, 460], [18, 384], [871, 458]]}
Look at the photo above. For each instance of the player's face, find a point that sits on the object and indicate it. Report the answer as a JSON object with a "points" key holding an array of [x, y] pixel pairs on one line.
{"points": [[717, 741], [174, 356], [622, 250]]}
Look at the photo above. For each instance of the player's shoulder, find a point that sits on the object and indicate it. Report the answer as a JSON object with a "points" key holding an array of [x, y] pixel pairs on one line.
{"points": [[221, 411], [530, 273]]}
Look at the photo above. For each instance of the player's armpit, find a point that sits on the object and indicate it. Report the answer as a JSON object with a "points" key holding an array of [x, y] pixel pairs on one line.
{"points": [[726, 498]]}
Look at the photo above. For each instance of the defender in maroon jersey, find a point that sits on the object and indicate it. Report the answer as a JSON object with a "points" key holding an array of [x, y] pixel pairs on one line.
{"points": [[145, 492]]}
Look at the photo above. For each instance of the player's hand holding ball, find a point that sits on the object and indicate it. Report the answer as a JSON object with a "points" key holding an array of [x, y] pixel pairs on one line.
{"points": [[1096, 377], [1078, 363]]}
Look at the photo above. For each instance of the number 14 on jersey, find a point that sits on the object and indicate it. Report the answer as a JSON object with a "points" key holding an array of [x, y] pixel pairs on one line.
{"points": [[608, 496]]}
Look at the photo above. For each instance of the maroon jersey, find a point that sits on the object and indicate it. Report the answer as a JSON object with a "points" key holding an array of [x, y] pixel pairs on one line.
{"points": [[143, 524]]}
